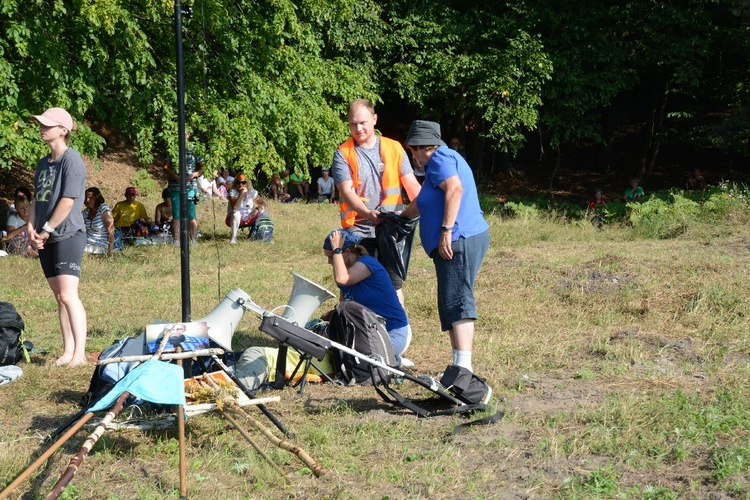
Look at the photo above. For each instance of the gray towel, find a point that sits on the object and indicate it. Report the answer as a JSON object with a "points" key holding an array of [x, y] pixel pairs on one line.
{"points": [[9, 373]]}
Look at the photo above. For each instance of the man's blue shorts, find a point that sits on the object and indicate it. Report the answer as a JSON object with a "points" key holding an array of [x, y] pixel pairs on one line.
{"points": [[456, 277]]}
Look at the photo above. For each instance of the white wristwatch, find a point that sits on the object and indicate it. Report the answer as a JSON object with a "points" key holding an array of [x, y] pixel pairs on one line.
{"points": [[47, 228]]}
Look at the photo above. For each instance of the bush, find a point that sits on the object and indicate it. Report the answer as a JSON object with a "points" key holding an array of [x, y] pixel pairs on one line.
{"points": [[145, 183], [661, 217]]}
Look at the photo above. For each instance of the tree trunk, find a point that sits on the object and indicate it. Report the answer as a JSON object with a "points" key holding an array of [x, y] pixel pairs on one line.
{"points": [[605, 160], [474, 148], [654, 124]]}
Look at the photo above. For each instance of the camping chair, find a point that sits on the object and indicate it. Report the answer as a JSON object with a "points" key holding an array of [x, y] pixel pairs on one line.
{"points": [[314, 345]]}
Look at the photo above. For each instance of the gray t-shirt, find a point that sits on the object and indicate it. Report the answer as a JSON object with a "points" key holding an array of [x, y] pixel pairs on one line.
{"points": [[370, 174], [64, 178]]}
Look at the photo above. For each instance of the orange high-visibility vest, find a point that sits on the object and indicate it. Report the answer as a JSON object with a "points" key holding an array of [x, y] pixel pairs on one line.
{"points": [[392, 155]]}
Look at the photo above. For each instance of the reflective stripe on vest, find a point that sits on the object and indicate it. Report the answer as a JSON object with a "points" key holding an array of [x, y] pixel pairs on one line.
{"points": [[392, 154]]}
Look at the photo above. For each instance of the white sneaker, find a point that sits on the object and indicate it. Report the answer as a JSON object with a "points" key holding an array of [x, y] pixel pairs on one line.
{"points": [[406, 363]]}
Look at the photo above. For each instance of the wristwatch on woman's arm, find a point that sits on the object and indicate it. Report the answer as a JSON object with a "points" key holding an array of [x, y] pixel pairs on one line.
{"points": [[447, 228], [46, 227]]}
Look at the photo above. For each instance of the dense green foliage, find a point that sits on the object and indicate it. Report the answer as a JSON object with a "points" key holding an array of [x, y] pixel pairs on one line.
{"points": [[267, 83]]}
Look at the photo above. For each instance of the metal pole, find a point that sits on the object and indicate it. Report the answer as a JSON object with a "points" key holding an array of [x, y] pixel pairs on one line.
{"points": [[184, 229]]}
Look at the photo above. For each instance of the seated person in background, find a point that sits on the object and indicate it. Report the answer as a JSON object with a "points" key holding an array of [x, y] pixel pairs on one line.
{"points": [[130, 217], [163, 213], [240, 206], [696, 181], [455, 145], [17, 240], [326, 188], [100, 225], [279, 185], [597, 205], [223, 181], [598, 201], [363, 279], [208, 188], [302, 183], [263, 227], [633, 192], [20, 192]]}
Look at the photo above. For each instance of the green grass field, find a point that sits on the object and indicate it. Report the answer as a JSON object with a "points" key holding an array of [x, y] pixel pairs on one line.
{"points": [[620, 360]]}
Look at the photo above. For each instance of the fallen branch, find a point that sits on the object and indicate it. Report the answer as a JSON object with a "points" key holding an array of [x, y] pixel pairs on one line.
{"points": [[250, 440], [314, 466]]}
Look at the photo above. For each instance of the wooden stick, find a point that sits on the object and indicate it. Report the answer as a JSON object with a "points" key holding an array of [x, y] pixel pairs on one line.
{"points": [[162, 345], [314, 466], [165, 356], [12, 486], [181, 440], [244, 434], [77, 460], [211, 382]]}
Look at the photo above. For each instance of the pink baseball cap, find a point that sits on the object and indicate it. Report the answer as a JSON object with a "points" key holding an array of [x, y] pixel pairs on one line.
{"points": [[54, 117]]}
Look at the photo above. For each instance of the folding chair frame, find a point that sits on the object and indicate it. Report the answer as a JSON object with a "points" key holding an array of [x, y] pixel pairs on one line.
{"points": [[314, 345]]}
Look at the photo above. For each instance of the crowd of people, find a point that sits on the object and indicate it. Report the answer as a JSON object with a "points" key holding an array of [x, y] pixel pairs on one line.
{"points": [[369, 174], [371, 178]]}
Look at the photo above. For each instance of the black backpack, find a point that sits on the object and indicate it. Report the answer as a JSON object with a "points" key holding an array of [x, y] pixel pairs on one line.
{"points": [[11, 327], [106, 376], [359, 328]]}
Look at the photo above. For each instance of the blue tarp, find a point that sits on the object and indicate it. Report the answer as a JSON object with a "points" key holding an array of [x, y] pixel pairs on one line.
{"points": [[154, 381]]}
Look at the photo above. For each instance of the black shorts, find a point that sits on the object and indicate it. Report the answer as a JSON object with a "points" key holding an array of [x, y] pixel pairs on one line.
{"points": [[371, 245], [63, 257]]}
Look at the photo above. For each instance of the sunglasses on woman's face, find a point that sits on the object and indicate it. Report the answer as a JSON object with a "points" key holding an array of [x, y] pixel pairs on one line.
{"points": [[243, 182]]}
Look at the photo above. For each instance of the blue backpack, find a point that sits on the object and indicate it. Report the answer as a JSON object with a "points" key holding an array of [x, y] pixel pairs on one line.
{"points": [[262, 230]]}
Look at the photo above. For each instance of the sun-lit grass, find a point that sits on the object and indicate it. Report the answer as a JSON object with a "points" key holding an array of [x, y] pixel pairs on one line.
{"points": [[621, 363]]}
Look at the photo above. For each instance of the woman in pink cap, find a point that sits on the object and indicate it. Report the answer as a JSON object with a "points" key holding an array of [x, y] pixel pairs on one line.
{"points": [[57, 230]]}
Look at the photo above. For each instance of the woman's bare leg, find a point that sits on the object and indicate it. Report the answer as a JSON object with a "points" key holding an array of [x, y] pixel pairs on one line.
{"points": [[72, 317]]}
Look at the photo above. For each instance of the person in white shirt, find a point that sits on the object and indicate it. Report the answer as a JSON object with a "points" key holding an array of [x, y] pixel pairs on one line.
{"points": [[326, 188], [241, 206]]}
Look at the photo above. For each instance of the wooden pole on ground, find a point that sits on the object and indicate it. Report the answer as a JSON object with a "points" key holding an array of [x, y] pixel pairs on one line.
{"points": [[181, 438], [12, 486], [77, 460]]}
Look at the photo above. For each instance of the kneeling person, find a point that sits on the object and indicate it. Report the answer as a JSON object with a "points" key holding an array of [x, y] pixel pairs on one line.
{"points": [[363, 279]]}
